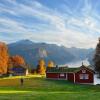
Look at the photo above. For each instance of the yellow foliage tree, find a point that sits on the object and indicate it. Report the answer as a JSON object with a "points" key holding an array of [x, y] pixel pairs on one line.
{"points": [[50, 64], [41, 67]]}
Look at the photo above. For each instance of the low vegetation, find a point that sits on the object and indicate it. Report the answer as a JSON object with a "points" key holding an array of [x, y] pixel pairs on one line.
{"points": [[38, 88]]}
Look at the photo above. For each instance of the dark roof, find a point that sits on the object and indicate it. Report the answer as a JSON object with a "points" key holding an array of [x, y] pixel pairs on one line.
{"points": [[61, 69], [88, 68], [66, 69]]}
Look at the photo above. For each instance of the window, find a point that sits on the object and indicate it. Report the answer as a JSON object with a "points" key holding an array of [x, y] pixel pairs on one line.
{"points": [[83, 71], [81, 76], [84, 76], [62, 75]]}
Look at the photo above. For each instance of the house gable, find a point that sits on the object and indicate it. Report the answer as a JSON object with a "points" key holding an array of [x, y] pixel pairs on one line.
{"points": [[85, 69], [84, 75]]}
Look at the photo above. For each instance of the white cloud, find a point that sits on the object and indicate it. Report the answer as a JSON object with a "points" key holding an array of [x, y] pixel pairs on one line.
{"points": [[59, 28]]}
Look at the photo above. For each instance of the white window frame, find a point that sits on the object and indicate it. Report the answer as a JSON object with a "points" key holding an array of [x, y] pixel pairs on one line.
{"points": [[84, 76], [62, 74], [81, 76]]}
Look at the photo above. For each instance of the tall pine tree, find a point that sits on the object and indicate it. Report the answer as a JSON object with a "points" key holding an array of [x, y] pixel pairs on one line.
{"points": [[97, 58]]}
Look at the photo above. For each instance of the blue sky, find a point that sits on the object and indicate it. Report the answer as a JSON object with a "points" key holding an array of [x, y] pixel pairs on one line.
{"points": [[63, 22]]}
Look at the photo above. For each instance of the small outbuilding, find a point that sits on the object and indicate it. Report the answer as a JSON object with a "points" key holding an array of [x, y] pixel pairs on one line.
{"points": [[19, 71], [82, 75]]}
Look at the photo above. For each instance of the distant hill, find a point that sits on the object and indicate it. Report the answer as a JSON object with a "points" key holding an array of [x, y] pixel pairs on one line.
{"points": [[32, 52], [81, 54]]}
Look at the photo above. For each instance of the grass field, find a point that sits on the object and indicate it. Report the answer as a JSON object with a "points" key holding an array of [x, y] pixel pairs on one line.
{"points": [[38, 88]]}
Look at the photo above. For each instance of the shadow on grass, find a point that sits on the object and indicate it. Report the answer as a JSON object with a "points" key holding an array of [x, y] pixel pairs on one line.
{"points": [[63, 82]]}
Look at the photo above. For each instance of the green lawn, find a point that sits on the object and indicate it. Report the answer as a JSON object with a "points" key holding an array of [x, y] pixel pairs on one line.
{"points": [[38, 88]]}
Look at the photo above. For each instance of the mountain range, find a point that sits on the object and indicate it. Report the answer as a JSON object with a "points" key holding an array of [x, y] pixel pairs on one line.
{"points": [[33, 51]]}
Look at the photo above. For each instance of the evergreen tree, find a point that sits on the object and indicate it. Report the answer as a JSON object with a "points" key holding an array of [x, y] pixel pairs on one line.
{"points": [[97, 58]]}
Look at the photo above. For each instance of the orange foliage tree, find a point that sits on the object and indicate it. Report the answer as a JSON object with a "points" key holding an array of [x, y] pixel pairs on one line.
{"points": [[3, 58], [7, 62], [17, 61], [41, 67]]}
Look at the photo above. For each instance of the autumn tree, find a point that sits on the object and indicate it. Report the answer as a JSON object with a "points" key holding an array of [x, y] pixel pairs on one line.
{"points": [[3, 58], [17, 61], [7, 62], [41, 67], [50, 63], [97, 58], [10, 65]]}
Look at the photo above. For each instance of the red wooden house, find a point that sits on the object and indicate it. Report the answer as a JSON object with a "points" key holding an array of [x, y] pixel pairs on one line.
{"points": [[82, 75]]}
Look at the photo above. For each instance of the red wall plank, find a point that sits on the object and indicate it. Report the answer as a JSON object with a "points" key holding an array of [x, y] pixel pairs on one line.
{"points": [[70, 77], [78, 80], [52, 75]]}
